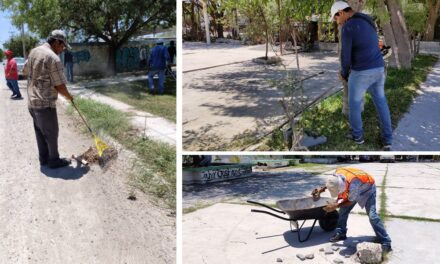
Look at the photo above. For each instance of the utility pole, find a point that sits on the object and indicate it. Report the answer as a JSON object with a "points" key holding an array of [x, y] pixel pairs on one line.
{"points": [[23, 41]]}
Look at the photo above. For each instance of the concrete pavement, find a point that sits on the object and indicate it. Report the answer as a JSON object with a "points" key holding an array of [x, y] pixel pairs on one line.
{"points": [[221, 104], [227, 232], [419, 128]]}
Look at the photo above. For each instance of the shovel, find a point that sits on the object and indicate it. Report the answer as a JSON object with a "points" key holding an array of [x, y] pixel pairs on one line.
{"points": [[100, 145]]}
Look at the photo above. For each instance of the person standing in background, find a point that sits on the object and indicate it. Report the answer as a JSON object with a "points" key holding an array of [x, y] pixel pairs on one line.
{"points": [[11, 75], [68, 64], [157, 63], [172, 51]]}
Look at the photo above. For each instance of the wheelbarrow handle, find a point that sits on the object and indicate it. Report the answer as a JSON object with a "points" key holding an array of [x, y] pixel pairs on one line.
{"points": [[267, 206], [269, 213]]}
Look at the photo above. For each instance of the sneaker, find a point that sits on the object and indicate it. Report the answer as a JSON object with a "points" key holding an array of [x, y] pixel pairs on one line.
{"points": [[13, 95], [359, 140], [17, 98], [59, 163], [386, 148], [338, 237], [386, 249]]}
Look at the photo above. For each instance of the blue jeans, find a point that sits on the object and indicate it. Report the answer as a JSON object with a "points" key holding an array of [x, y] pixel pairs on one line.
{"points": [[373, 81], [375, 221], [13, 85], [161, 74], [69, 71]]}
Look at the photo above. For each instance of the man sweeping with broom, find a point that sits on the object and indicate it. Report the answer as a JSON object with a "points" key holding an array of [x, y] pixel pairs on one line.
{"points": [[46, 80]]}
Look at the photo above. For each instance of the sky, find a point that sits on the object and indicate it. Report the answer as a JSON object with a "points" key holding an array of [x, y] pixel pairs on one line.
{"points": [[6, 28]]}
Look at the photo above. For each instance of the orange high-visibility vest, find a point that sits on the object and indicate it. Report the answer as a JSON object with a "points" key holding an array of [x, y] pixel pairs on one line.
{"points": [[350, 174]]}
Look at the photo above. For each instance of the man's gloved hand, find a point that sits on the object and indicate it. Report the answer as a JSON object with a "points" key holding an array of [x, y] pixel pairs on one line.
{"points": [[330, 207], [316, 193]]}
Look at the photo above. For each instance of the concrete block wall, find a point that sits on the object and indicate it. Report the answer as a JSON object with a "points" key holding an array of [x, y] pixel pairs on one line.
{"points": [[92, 58]]}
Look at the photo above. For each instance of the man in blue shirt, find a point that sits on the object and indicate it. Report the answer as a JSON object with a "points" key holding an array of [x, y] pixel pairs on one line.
{"points": [[157, 63], [362, 66]]}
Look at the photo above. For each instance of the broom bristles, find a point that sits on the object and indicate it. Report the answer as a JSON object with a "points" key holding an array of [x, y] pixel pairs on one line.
{"points": [[108, 155]]}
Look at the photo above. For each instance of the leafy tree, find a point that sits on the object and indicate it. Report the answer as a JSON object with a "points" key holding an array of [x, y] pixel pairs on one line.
{"points": [[433, 7], [2, 54], [416, 15], [111, 21], [16, 45]]}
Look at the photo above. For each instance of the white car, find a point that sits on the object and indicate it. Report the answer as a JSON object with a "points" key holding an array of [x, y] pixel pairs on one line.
{"points": [[20, 65], [387, 158]]}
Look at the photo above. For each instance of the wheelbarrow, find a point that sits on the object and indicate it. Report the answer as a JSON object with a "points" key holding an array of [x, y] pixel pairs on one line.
{"points": [[302, 209]]}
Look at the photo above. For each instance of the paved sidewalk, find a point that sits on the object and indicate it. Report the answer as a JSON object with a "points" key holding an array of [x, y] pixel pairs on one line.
{"points": [[243, 237], [419, 129], [220, 104]]}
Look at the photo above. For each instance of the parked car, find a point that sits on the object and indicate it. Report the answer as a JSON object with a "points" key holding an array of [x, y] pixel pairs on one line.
{"points": [[368, 158], [387, 158], [20, 65]]}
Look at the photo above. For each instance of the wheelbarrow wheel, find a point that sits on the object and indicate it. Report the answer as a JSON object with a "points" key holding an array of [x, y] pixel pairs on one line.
{"points": [[329, 221]]}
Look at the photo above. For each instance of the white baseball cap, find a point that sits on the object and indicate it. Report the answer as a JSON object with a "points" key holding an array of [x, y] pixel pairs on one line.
{"points": [[335, 185], [336, 7]]}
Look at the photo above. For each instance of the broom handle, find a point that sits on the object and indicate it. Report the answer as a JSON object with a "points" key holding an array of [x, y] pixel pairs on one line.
{"points": [[87, 125]]}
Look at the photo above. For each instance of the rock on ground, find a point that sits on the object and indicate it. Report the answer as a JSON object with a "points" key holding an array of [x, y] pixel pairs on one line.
{"points": [[369, 253], [301, 256]]}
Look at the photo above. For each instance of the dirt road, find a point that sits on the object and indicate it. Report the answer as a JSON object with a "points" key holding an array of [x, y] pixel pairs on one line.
{"points": [[74, 214]]}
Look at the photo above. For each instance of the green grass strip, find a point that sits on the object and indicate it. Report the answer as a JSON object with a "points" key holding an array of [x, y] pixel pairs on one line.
{"points": [[155, 167], [406, 217], [137, 95], [326, 118], [383, 198]]}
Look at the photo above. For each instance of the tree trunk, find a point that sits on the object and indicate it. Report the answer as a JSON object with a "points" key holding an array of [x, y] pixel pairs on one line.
{"points": [[111, 65], [266, 29], [433, 14], [357, 5], [418, 44], [206, 20], [220, 30], [400, 31], [194, 25], [237, 26], [396, 33], [280, 27]]}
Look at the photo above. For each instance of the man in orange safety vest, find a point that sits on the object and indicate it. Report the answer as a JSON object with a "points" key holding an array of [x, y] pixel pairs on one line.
{"points": [[352, 186]]}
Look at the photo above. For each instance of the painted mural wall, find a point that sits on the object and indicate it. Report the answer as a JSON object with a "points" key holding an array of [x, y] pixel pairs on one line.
{"points": [[91, 58]]}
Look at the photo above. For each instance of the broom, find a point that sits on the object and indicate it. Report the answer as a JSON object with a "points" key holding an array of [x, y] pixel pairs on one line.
{"points": [[105, 152]]}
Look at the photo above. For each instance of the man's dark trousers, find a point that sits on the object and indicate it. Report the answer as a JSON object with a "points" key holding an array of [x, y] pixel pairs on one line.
{"points": [[46, 131]]}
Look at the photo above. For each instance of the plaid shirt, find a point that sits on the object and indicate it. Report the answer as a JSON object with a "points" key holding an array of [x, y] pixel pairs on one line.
{"points": [[44, 72]]}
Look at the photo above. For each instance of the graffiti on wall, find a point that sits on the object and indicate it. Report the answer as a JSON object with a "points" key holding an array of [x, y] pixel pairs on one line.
{"points": [[131, 58], [127, 59], [224, 174], [82, 55]]}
